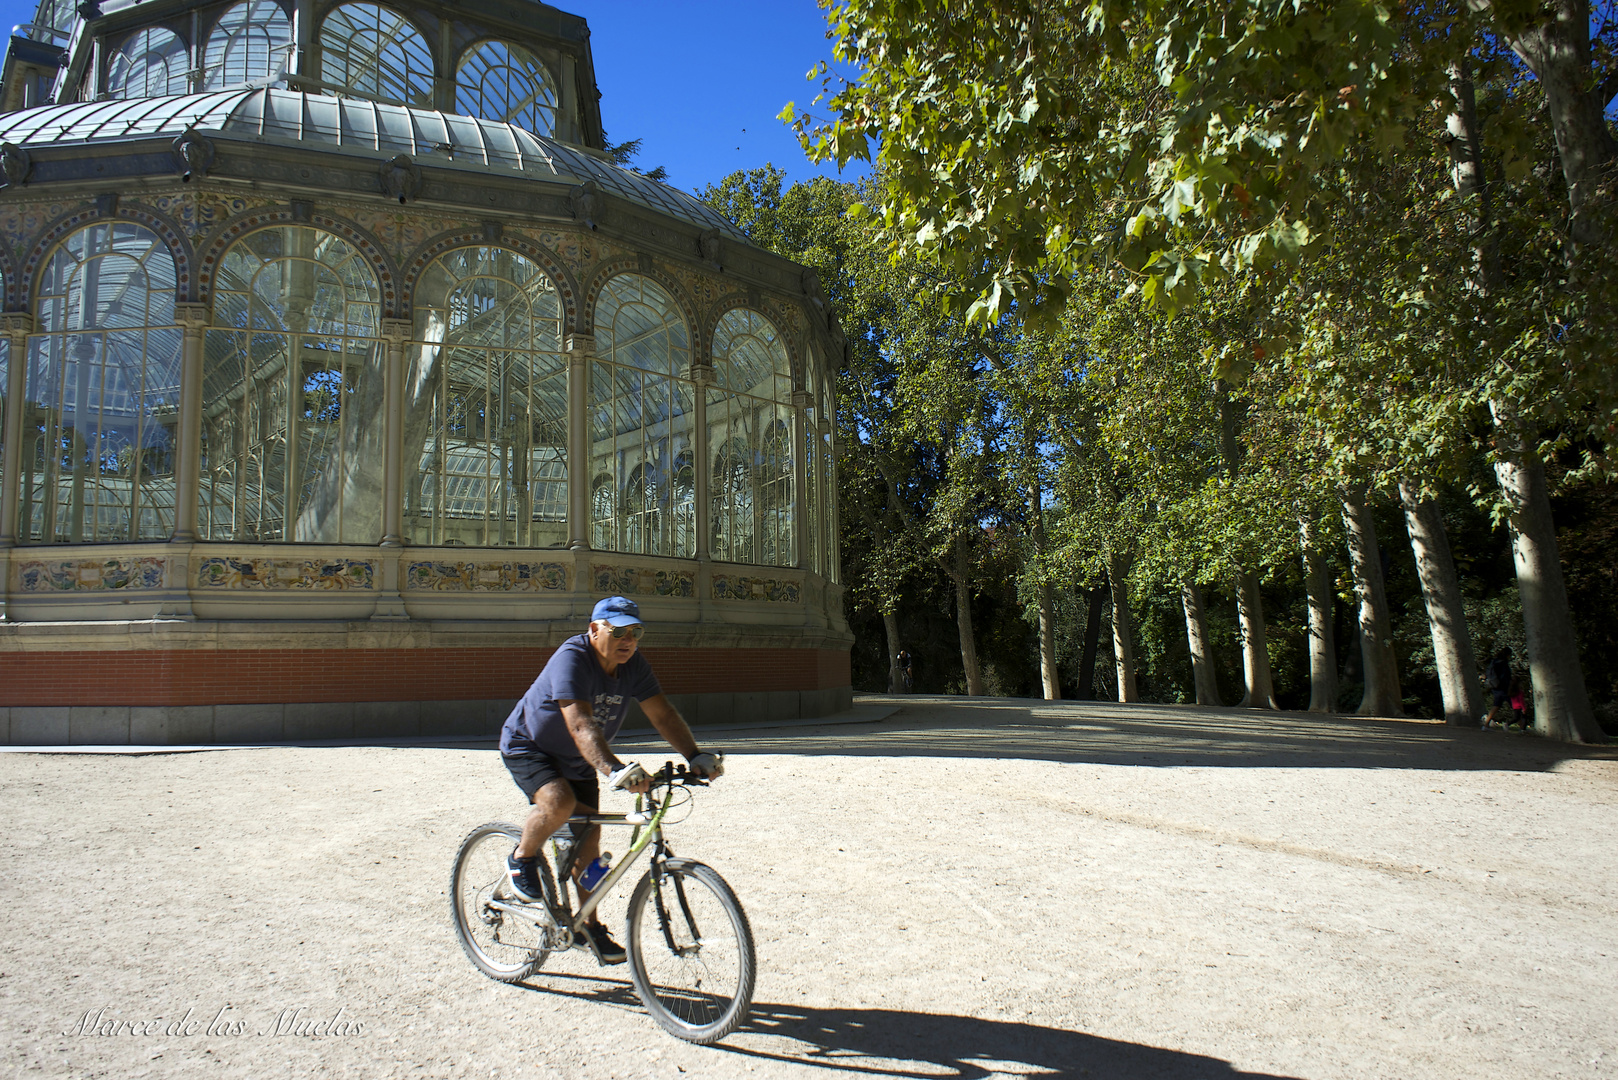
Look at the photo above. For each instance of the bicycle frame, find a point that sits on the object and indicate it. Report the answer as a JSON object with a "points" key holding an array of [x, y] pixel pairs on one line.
{"points": [[639, 842]]}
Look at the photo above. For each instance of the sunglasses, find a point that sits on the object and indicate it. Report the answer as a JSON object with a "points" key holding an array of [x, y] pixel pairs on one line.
{"points": [[632, 632]]}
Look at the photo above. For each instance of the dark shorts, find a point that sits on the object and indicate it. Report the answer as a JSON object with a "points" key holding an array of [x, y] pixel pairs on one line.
{"points": [[1501, 697], [533, 771]]}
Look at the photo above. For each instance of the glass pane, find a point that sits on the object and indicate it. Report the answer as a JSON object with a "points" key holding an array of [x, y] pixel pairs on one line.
{"points": [[153, 63], [250, 44], [293, 424], [748, 355], [5, 389], [101, 392], [508, 84], [370, 51], [491, 417]]}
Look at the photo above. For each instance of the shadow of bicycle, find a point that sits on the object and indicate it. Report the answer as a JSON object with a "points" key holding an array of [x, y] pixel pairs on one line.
{"points": [[892, 1042]]}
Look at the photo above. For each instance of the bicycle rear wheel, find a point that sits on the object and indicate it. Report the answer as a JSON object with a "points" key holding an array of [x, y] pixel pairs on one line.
{"points": [[502, 945], [691, 951]]}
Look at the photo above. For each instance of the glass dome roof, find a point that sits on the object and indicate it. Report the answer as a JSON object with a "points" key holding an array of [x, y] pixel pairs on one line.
{"points": [[275, 116]]}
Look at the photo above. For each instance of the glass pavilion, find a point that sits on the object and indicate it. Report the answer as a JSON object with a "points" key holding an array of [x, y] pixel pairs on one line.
{"points": [[331, 331]]}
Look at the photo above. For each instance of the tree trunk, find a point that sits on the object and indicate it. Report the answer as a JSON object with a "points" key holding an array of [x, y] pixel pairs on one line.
{"points": [[1382, 695], [1446, 613], [1255, 644], [1047, 602], [1196, 634], [1123, 642], [1554, 42], [890, 623], [1561, 705], [1322, 634], [961, 575], [1092, 644]]}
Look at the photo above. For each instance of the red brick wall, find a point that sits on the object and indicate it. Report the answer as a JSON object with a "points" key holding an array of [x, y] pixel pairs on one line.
{"points": [[247, 676]]}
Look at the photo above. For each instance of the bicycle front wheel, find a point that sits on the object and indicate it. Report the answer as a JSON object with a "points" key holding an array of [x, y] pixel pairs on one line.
{"points": [[691, 951], [503, 945]]}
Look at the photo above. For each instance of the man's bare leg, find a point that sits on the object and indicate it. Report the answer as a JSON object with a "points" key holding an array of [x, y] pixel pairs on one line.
{"points": [[553, 805]]}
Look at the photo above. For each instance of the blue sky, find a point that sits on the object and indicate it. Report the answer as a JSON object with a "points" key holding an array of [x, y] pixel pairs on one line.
{"points": [[699, 82]]}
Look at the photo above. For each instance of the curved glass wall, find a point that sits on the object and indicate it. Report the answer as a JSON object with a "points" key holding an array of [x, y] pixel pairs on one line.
{"points": [[374, 52], [642, 458], [486, 405], [293, 416], [750, 440], [249, 44], [153, 63], [101, 391], [504, 82]]}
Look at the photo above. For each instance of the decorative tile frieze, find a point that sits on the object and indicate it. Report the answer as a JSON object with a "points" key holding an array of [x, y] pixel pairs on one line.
{"points": [[276, 574], [742, 587], [486, 577], [642, 581], [89, 575]]}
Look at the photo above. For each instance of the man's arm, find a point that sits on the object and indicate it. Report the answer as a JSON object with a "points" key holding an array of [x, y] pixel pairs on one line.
{"points": [[592, 744], [670, 724]]}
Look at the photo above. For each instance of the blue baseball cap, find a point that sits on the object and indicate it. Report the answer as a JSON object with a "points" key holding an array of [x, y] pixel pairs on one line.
{"points": [[616, 611]]}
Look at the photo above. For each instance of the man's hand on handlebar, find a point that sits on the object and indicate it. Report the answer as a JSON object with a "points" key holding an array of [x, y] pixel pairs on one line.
{"points": [[708, 765], [631, 778]]}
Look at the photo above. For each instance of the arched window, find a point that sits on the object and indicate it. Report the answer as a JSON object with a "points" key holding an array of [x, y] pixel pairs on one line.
{"points": [[292, 395], [249, 44], [641, 410], [153, 63], [102, 391], [486, 404], [373, 52], [750, 423], [497, 81]]}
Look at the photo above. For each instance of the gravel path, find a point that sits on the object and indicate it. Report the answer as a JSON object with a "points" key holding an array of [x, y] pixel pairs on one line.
{"points": [[966, 889]]}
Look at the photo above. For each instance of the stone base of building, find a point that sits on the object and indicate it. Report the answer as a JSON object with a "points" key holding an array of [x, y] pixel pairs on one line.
{"points": [[200, 682]]}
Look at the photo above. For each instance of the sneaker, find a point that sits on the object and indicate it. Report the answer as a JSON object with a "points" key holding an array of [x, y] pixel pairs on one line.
{"points": [[525, 878], [606, 949]]}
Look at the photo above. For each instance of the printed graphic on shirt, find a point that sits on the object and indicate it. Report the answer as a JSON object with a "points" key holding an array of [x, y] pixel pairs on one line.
{"points": [[606, 709]]}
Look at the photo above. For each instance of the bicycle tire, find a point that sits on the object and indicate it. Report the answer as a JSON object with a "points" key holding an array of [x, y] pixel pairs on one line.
{"points": [[504, 948], [703, 994]]}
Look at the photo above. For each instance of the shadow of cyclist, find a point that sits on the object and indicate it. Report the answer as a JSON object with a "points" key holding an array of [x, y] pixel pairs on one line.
{"points": [[890, 1042]]}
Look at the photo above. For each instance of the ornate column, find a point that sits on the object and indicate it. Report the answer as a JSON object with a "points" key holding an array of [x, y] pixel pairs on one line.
{"points": [[17, 325], [396, 332], [580, 349], [801, 400], [390, 601], [193, 320]]}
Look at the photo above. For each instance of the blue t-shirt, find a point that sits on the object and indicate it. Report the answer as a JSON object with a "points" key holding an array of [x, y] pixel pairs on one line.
{"points": [[574, 674]]}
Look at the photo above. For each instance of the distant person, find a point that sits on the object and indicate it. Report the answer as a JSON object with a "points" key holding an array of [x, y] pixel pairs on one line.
{"points": [[1498, 678], [907, 677], [1516, 696]]}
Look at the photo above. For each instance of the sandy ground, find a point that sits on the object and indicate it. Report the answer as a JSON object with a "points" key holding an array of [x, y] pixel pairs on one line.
{"points": [[966, 889]]}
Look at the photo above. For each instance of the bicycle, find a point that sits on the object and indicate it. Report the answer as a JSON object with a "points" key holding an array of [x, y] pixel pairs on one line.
{"points": [[690, 946]]}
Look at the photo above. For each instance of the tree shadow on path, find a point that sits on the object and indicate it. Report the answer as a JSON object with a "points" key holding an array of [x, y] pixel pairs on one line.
{"points": [[896, 1043], [1107, 733]]}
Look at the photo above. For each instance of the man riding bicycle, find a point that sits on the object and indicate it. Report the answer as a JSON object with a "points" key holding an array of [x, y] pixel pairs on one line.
{"points": [[555, 744]]}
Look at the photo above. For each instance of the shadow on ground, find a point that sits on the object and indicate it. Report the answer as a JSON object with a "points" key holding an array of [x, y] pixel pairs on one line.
{"points": [[895, 1043], [1107, 733]]}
